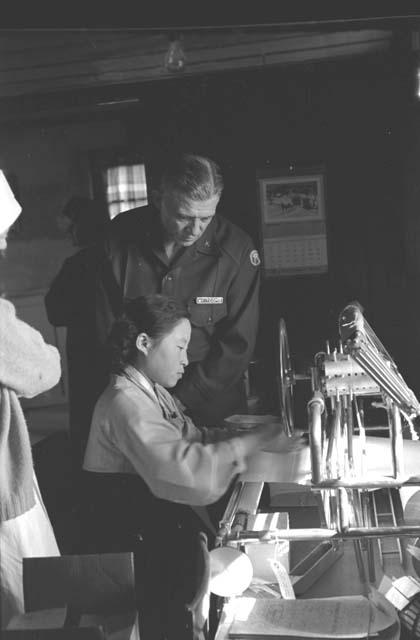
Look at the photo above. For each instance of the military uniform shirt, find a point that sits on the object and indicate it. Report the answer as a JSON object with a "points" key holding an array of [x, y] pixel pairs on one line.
{"points": [[217, 278]]}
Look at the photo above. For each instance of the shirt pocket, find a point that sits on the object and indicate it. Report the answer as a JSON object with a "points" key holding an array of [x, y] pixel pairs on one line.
{"points": [[205, 315]]}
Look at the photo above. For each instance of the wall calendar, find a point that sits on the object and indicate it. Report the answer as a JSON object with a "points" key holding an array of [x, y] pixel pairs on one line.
{"points": [[293, 225]]}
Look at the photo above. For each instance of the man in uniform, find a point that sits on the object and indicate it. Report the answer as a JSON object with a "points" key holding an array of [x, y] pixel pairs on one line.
{"points": [[179, 246]]}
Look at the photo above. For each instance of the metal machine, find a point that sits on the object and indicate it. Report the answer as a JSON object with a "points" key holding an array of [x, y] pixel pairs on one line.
{"points": [[342, 379]]}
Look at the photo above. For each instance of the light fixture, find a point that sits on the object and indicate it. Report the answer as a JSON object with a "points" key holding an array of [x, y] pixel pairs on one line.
{"points": [[415, 46], [175, 57], [10, 208]]}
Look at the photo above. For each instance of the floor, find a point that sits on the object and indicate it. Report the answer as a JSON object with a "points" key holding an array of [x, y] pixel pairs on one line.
{"points": [[46, 421]]}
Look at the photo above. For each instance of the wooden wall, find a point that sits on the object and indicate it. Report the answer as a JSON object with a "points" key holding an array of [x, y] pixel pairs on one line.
{"points": [[352, 117], [355, 116], [46, 61]]}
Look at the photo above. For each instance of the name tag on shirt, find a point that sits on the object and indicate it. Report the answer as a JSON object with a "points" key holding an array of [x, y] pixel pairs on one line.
{"points": [[207, 300]]}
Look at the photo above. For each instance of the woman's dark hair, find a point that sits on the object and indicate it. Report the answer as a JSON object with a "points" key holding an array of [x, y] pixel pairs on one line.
{"points": [[154, 314]]}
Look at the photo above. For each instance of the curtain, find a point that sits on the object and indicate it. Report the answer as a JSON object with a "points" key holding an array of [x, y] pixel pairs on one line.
{"points": [[126, 188]]}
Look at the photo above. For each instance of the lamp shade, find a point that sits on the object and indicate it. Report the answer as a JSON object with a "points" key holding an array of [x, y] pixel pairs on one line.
{"points": [[9, 207]]}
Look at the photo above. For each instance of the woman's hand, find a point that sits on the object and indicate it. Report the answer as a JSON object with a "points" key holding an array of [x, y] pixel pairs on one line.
{"points": [[282, 443], [268, 437], [267, 431]]}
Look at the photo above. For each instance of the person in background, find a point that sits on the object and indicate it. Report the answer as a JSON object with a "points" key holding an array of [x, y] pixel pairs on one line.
{"points": [[150, 470], [86, 222], [177, 245], [84, 219], [28, 366]]}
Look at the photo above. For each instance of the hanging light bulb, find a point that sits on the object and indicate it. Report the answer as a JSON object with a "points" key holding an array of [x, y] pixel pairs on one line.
{"points": [[417, 81], [415, 45], [175, 56]]}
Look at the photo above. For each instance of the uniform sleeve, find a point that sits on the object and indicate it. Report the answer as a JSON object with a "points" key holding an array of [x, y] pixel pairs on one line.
{"points": [[28, 365], [174, 468], [233, 343]]}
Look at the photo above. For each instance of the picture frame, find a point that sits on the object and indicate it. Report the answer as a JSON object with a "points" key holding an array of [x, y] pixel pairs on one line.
{"points": [[292, 198]]}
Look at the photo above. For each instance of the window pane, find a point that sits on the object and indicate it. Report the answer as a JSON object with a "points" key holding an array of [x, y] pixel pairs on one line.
{"points": [[126, 188]]}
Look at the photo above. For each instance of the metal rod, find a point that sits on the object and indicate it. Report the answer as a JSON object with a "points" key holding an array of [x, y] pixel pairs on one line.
{"points": [[367, 522], [229, 514], [358, 552], [388, 379], [395, 521], [332, 440], [343, 510], [376, 522], [397, 450], [360, 483], [316, 406], [268, 535], [349, 412], [380, 371], [362, 433]]}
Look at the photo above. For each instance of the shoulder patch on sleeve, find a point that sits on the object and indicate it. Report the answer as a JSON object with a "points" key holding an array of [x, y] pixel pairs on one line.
{"points": [[254, 258]]}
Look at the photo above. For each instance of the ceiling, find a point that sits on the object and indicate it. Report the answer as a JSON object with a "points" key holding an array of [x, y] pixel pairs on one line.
{"points": [[57, 70], [295, 14], [50, 61]]}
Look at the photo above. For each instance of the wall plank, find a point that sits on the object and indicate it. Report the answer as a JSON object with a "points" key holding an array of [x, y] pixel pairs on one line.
{"points": [[34, 62]]}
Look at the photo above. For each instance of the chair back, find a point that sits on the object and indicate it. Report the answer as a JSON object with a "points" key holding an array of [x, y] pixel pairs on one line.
{"points": [[93, 583]]}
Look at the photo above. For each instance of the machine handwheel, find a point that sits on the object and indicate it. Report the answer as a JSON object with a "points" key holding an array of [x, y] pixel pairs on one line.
{"points": [[286, 379]]}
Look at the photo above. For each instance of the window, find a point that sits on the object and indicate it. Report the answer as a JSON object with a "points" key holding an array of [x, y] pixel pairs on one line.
{"points": [[126, 187]]}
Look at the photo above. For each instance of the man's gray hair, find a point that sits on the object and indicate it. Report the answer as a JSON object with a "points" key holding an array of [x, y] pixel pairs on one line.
{"points": [[192, 177]]}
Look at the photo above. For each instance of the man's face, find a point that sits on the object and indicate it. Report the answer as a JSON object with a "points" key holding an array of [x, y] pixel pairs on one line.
{"points": [[185, 221]]}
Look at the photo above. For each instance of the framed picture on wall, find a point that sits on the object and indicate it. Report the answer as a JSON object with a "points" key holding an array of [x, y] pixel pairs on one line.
{"points": [[292, 199], [293, 221]]}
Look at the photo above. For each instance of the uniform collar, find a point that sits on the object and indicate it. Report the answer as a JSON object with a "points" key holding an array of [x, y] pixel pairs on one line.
{"points": [[154, 232], [152, 238], [208, 243]]}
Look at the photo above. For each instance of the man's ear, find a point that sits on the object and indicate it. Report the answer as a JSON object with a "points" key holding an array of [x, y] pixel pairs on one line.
{"points": [[157, 198], [143, 343]]}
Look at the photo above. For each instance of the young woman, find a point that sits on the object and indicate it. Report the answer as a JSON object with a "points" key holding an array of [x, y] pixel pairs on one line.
{"points": [[149, 464]]}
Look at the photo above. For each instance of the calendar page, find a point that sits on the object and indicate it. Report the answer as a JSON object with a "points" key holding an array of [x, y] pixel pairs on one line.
{"points": [[293, 221], [295, 254]]}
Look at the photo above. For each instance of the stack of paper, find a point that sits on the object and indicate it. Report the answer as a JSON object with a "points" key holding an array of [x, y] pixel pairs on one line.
{"points": [[344, 618]]}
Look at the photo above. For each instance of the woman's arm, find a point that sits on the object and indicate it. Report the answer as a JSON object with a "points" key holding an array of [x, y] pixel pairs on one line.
{"points": [[173, 467], [28, 365]]}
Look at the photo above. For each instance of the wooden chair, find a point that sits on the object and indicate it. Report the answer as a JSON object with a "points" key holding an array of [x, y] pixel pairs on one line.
{"points": [[89, 583]]}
